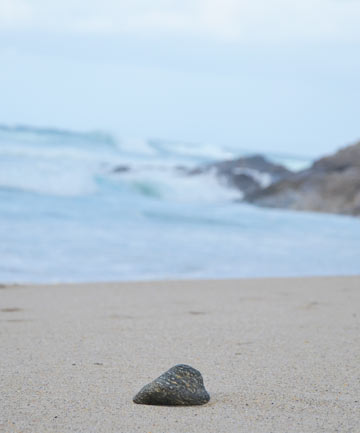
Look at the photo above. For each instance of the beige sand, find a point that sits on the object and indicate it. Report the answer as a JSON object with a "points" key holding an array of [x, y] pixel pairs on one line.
{"points": [[277, 355]]}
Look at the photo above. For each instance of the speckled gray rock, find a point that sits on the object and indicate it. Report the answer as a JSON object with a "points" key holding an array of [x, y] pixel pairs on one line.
{"points": [[182, 385]]}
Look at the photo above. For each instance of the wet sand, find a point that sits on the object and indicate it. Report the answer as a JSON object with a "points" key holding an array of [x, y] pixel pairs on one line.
{"points": [[277, 355]]}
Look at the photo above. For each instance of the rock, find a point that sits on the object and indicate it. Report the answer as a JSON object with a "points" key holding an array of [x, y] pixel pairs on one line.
{"points": [[121, 169], [182, 385], [252, 165], [248, 174], [331, 184]]}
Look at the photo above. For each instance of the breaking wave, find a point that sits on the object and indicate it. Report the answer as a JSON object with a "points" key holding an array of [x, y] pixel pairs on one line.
{"points": [[64, 163]]}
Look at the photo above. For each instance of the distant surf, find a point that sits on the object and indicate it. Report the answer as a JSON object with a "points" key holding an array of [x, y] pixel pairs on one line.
{"points": [[88, 207]]}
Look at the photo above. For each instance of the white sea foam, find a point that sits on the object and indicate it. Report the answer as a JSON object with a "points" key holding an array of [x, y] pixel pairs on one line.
{"points": [[173, 186]]}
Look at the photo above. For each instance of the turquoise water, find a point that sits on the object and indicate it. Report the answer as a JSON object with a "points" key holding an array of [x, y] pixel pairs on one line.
{"points": [[66, 216]]}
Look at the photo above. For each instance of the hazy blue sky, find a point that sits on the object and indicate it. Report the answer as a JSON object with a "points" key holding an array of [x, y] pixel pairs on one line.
{"points": [[263, 74]]}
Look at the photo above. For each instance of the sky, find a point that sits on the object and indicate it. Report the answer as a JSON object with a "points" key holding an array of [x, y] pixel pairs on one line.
{"points": [[267, 75]]}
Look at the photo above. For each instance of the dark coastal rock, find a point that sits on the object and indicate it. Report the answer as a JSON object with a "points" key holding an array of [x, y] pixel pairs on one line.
{"points": [[182, 385], [121, 169], [255, 162], [331, 184], [247, 174]]}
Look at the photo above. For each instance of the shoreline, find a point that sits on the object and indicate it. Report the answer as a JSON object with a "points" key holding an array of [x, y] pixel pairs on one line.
{"points": [[167, 281], [276, 354]]}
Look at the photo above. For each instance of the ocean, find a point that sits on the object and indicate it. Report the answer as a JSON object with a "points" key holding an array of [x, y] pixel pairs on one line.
{"points": [[82, 207]]}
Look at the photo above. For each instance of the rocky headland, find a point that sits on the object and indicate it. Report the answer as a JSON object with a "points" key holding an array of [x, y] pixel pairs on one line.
{"points": [[331, 184]]}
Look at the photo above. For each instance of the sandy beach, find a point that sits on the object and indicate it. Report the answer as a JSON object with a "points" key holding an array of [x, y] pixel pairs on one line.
{"points": [[277, 355]]}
